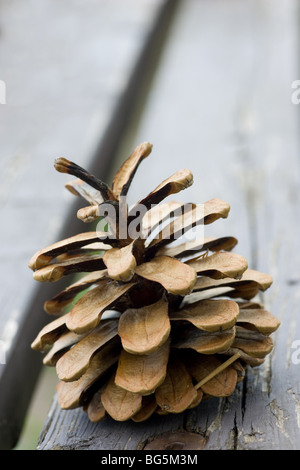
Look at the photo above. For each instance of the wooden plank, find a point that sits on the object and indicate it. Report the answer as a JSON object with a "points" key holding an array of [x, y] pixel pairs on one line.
{"points": [[220, 105], [70, 71]]}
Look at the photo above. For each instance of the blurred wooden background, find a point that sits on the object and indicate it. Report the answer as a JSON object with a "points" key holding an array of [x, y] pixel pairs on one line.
{"points": [[209, 83]]}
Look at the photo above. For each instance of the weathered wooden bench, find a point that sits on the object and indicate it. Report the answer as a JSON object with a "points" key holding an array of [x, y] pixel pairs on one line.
{"points": [[219, 104], [72, 73]]}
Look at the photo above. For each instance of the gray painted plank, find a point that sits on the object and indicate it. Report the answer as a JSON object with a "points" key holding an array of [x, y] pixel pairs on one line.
{"points": [[70, 70], [221, 106]]}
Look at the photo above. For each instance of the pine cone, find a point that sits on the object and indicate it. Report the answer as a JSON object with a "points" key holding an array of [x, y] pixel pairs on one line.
{"points": [[152, 326]]}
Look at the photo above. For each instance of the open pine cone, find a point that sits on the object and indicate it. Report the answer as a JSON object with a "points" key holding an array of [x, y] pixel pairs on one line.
{"points": [[153, 326]]}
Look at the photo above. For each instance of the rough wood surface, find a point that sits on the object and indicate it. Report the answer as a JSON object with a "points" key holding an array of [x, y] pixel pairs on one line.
{"points": [[233, 124], [70, 71]]}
